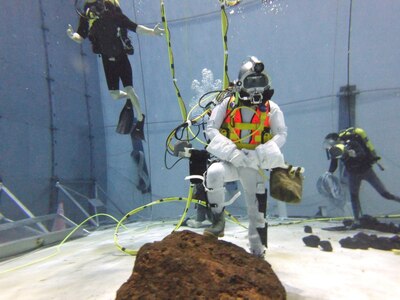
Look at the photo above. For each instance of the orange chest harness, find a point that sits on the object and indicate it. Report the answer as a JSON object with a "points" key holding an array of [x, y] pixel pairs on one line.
{"points": [[247, 135]]}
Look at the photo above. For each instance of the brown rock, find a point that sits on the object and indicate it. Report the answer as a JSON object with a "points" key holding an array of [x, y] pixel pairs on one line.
{"points": [[187, 265]]}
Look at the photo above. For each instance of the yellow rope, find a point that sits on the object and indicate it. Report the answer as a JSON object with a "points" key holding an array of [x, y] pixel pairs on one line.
{"points": [[224, 27], [171, 62]]}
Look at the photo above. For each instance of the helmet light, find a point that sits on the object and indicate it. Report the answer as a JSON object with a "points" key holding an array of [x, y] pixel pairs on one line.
{"points": [[258, 67]]}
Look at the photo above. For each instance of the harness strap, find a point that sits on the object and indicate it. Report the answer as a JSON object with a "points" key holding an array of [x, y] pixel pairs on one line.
{"points": [[259, 131]]}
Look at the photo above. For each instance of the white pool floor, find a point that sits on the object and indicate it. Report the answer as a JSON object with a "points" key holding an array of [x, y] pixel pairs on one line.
{"points": [[93, 267]]}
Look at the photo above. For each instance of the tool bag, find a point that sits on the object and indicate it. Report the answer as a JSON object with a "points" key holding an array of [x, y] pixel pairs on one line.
{"points": [[286, 184]]}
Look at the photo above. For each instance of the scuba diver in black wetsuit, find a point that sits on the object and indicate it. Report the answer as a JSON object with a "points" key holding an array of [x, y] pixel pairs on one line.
{"points": [[358, 155], [103, 22]]}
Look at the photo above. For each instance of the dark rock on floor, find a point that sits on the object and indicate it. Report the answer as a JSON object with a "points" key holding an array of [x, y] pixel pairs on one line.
{"points": [[364, 241], [311, 240]]}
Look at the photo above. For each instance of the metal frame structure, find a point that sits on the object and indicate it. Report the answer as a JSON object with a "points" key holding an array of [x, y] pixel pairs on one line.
{"points": [[95, 202], [24, 235], [14, 198]]}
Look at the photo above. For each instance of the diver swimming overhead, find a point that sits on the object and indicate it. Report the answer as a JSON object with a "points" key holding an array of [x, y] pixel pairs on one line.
{"points": [[103, 22]]}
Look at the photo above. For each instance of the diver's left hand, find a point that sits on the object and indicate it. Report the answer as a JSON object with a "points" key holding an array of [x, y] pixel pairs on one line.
{"points": [[158, 30], [70, 31]]}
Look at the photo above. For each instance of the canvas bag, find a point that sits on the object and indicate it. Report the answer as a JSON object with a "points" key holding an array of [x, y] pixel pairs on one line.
{"points": [[286, 184]]}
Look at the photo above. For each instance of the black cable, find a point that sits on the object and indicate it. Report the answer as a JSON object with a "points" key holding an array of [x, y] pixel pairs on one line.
{"points": [[206, 94], [165, 161]]}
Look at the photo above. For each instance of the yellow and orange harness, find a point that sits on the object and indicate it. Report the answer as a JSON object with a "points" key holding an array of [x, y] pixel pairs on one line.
{"points": [[259, 128]]}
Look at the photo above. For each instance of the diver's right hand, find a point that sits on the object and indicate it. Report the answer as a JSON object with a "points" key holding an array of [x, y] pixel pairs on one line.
{"points": [[239, 159], [73, 35]]}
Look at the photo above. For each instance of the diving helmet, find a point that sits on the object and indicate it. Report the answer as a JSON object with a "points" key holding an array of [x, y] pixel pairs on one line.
{"points": [[253, 82]]}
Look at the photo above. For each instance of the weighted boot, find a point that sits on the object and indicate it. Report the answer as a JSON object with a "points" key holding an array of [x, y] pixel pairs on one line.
{"points": [[218, 225]]}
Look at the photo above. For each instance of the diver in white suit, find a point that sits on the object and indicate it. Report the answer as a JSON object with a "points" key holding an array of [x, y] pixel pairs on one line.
{"points": [[246, 131]]}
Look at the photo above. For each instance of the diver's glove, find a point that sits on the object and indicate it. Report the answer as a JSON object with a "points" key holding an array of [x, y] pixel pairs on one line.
{"points": [[351, 153], [376, 159], [239, 159], [222, 147], [73, 35], [158, 30], [253, 161], [269, 155]]}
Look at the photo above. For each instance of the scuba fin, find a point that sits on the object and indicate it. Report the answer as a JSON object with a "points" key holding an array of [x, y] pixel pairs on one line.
{"points": [[138, 132], [125, 122], [143, 184]]}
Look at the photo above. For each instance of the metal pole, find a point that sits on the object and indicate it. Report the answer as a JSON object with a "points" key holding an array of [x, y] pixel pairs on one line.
{"points": [[21, 205], [52, 111], [347, 106]]}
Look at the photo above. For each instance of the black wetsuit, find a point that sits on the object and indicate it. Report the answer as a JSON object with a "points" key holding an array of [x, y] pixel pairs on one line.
{"points": [[107, 42], [359, 168]]}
